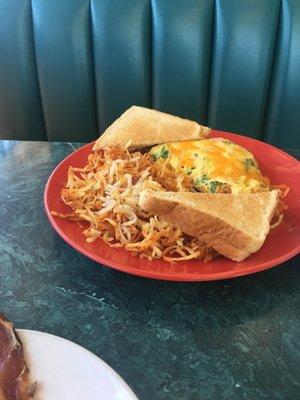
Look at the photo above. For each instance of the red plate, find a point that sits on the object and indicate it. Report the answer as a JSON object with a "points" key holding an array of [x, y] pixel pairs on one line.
{"points": [[282, 243]]}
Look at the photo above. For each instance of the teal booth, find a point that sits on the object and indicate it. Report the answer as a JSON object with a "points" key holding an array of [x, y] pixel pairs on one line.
{"points": [[68, 68]]}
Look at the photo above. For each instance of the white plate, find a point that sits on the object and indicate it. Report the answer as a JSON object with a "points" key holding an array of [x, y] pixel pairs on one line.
{"points": [[67, 371]]}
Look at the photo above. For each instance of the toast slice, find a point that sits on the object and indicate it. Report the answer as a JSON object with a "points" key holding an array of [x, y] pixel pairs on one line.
{"points": [[143, 127], [234, 225]]}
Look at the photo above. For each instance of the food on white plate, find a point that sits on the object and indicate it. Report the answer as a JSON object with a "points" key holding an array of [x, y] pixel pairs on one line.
{"points": [[15, 383], [105, 193], [235, 225], [140, 127]]}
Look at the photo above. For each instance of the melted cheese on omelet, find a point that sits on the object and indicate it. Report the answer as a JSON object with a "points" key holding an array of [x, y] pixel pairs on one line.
{"points": [[213, 164]]}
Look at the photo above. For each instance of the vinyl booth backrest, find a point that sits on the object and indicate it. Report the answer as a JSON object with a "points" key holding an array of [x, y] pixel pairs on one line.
{"points": [[68, 68]]}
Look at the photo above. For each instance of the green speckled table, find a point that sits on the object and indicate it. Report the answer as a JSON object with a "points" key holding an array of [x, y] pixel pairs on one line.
{"points": [[225, 340]]}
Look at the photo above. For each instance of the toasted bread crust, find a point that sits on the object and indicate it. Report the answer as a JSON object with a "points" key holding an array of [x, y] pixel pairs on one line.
{"points": [[144, 127], [234, 225]]}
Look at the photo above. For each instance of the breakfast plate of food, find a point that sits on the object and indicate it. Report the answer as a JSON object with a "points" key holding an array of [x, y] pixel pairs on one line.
{"points": [[39, 366], [163, 197]]}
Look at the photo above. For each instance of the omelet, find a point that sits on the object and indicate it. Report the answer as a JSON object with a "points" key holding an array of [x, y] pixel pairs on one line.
{"points": [[215, 165]]}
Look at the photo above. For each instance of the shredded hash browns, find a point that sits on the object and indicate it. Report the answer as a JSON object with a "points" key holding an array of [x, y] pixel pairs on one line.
{"points": [[105, 193]]}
